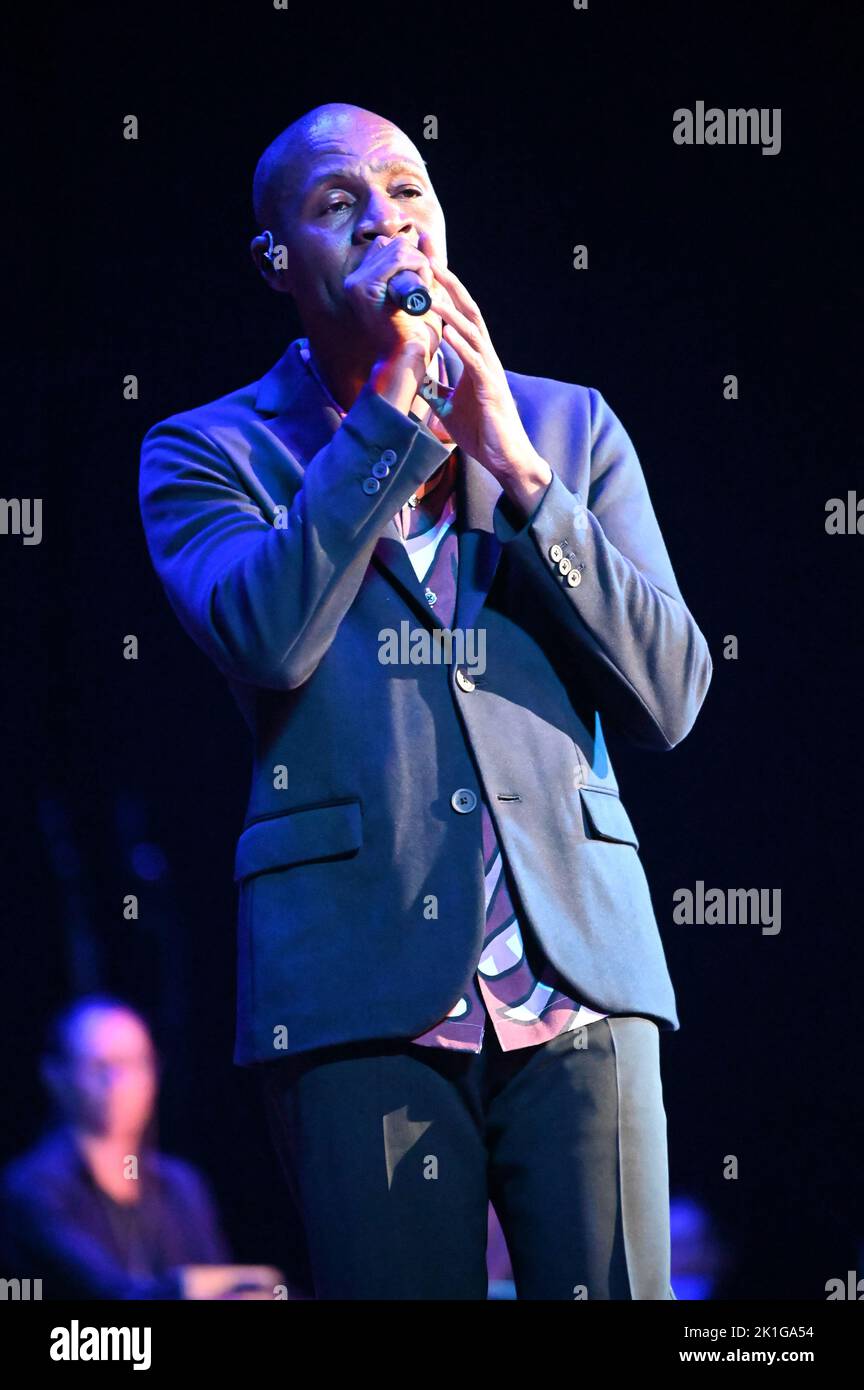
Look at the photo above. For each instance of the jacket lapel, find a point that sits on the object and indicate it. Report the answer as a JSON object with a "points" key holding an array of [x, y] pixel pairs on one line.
{"points": [[303, 421]]}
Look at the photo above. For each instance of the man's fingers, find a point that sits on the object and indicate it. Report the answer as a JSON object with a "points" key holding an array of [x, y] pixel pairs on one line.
{"points": [[472, 360], [456, 319]]}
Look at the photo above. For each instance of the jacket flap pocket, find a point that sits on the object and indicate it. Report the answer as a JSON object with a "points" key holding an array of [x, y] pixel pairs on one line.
{"points": [[607, 819], [296, 837]]}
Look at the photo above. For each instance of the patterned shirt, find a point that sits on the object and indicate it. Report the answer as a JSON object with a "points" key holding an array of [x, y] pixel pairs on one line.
{"points": [[527, 1000]]}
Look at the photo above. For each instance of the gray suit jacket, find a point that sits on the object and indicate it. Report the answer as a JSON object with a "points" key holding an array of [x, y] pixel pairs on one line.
{"points": [[359, 869]]}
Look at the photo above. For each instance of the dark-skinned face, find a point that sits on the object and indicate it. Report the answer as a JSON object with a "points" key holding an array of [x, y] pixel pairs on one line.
{"points": [[350, 181]]}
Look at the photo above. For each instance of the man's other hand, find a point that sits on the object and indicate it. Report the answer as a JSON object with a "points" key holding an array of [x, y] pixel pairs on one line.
{"points": [[483, 418]]}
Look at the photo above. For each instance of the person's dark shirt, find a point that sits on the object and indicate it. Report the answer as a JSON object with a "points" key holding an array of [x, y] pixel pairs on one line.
{"points": [[57, 1225]]}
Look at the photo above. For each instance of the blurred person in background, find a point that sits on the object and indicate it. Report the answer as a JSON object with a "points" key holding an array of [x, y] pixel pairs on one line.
{"points": [[93, 1209]]}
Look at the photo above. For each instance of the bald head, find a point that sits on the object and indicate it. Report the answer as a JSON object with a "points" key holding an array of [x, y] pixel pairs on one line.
{"points": [[336, 183], [331, 129]]}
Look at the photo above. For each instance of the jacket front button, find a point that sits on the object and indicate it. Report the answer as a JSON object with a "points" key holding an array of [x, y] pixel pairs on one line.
{"points": [[574, 578], [463, 680], [555, 554], [371, 485], [463, 800]]}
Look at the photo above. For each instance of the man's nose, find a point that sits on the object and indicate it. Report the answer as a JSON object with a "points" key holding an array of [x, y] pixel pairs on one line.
{"points": [[383, 217]]}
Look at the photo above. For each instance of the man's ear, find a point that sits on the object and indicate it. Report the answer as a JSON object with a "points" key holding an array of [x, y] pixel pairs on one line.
{"points": [[271, 261]]}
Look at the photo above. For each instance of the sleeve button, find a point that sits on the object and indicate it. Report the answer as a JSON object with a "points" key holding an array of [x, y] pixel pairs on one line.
{"points": [[555, 554], [388, 456], [371, 485], [574, 578]]}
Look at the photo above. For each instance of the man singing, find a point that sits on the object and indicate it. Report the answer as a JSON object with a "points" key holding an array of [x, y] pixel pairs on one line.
{"points": [[450, 977]]}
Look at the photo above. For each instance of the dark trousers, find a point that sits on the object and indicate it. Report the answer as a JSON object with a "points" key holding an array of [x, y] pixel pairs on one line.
{"points": [[392, 1152]]}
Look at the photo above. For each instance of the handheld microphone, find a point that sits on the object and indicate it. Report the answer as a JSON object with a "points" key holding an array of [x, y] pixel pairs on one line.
{"points": [[407, 290]]}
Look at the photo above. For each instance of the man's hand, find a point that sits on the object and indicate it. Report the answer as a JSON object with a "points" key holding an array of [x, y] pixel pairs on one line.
{"points": [[403, 344], [484, 420], [242, 1282], [390, 330]]}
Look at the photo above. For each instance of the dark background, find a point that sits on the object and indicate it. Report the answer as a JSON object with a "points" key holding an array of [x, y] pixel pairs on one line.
{"points": [[555, 128]]}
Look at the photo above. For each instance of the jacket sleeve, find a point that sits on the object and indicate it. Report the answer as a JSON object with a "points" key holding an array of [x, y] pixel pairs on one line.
{"points": [[631, 632], [264, 600]]}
